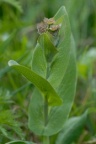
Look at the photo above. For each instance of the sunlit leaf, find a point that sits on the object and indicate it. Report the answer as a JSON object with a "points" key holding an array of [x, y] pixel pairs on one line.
{"points": [[42, 85]]}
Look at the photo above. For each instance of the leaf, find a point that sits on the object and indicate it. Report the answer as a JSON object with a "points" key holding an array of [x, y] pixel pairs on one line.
{"points": [[85, 62], [58, 115], [35, 113], [47, 45], [43, 52], [42, 85], [61, 77], [5, 133], [72, 129], [14, 3], [65, 87], [60, 62], [39, 64], [20, 142]]}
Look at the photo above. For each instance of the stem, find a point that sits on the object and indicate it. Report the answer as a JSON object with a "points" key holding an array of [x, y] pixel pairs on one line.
{"points": [[46, 138], [46, 110]]}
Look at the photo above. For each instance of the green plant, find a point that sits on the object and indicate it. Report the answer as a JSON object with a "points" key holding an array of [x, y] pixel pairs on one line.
{"points": [[14, 3], [53, 74]]}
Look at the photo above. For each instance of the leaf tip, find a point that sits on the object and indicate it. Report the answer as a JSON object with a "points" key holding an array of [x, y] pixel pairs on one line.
{"points": [[12, 63], [63, 7]]}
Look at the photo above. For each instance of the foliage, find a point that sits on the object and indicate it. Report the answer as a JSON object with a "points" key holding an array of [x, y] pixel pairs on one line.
{"points": [[55, 85], [72, 129], [14, 3], [18, 37]]}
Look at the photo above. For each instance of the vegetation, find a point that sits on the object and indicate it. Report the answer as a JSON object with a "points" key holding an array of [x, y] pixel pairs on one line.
{"points": [[46, 113]]}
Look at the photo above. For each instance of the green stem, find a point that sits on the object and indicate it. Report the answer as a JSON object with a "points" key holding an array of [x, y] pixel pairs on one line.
{"points": [[46, 110], [46, 138]]}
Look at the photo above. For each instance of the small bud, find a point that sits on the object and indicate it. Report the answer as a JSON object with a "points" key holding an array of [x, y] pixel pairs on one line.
{"points": [[42, 27], [49, 21], [55, 27]]}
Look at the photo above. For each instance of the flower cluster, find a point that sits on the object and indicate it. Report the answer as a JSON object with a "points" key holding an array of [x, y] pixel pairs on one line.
{"points": [[48, 25]]}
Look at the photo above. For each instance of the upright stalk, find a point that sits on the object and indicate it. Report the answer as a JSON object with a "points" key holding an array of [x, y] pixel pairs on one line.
{"points": [[45, 110], [46, 138]]}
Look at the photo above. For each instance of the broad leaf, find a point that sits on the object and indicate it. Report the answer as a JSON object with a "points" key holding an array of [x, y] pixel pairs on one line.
{"points": [[47, 45], [39, 64], [42, 85], [58, 115], [20, 142], [43, 52], [36, 116], [72, 130], [60, 62], [62, 77]]}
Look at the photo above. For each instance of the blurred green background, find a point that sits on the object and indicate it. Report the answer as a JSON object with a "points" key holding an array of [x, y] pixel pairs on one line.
{"points": [[18, 35]]}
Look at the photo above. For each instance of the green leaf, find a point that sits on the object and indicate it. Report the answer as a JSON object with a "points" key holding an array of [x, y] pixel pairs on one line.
{"points": [[43, 52], [20, 142], [61, 77], [65, 86], [47, 45], [42, 85], [58, 115], [60, 62], [14, 3], [35, 114], [72, 129], [39, 64], [5, 133]]}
